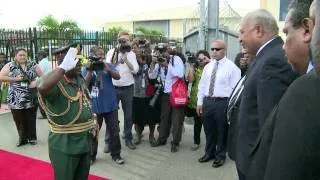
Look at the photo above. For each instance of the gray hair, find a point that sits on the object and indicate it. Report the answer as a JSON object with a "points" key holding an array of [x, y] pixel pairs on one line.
{"points": [[264, 18]]}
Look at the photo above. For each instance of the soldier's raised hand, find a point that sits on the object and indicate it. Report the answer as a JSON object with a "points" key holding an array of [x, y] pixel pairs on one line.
{"points": [[69, 61]]}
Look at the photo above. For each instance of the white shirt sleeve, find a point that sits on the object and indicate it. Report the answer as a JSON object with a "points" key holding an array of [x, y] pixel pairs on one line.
{"points": [[109, 55], [154, 74], [202, 86], [133, 60], [177, 70], [235, 76]]}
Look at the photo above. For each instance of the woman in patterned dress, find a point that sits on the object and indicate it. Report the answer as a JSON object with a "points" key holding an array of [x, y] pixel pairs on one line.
{"points": [[22, 98]]}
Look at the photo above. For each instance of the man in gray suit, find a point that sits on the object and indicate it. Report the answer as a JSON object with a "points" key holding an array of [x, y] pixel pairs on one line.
{"points": [[268, 77]]}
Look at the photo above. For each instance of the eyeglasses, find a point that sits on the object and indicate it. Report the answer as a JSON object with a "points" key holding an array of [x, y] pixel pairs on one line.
{"points": [[217, 49]]}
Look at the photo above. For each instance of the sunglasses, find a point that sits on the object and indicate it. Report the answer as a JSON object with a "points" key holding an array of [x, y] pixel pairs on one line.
{"points": [[216, 49]]}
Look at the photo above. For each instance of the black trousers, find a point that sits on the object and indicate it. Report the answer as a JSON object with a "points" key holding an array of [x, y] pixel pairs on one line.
{"points": [[197, 125], [111, 136], [25, 120], [177, 118], [215, 126], [241, 175]]}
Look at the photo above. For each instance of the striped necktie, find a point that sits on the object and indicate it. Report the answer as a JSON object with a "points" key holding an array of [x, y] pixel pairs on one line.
{"points": [[213, 79]]}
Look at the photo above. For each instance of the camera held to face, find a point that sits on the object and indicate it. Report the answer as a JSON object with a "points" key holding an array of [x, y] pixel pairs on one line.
{"points": [[124, 45], [192, 59], [161, 53]]}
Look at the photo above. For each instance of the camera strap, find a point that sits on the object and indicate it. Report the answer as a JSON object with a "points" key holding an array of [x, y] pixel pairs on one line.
{"points": [[24, 72], [115, 52]]}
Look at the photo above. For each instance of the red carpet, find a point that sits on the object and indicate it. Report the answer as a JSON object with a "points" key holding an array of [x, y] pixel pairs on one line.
{"points": [[16, 167]]}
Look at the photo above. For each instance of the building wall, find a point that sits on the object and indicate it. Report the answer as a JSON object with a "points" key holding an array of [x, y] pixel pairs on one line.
{"points": [[176, 28], [274, 7]]}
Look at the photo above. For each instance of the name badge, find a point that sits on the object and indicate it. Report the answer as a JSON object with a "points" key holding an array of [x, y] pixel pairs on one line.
{"points": [[94, 92], [24, 84]]}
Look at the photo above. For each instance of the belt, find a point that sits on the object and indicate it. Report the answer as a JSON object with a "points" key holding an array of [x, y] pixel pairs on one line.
{"points": [[217, 98], [73, 128], [123, 87]]}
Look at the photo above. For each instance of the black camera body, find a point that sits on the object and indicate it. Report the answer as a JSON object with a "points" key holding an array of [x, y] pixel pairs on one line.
{"points": [[124, 46], [192, 59], [160, 49], [96, 64]]}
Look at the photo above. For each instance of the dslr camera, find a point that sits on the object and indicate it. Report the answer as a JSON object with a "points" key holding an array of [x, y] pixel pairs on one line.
{"points": [[160, 50], [95, 61], [192, 59], [124, 45]]}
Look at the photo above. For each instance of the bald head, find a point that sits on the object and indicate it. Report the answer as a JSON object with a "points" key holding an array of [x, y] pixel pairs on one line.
{"points": [[218, 49]]}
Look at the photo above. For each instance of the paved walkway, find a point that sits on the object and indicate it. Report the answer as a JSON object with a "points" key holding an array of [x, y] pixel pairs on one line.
{"points": [[143, 163]]}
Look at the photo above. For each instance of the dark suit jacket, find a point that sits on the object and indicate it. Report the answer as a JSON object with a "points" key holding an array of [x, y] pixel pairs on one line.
{"points": [[292, 139], [267, 79], [232, 114]]}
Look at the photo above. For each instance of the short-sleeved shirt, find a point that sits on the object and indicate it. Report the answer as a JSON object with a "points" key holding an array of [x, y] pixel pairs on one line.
{"points": [[20, 96], [72, 143], [106, 99], [194, 88]]}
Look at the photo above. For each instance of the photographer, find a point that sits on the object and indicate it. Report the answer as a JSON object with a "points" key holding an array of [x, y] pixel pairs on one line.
{"points": [[197, 64], [143, 113], [126, 63], [104, 102], [170, 68], [22, 73]]}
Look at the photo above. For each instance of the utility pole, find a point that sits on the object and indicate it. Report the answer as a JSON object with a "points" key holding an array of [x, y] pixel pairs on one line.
{"points": [[202, 40], [213, 21]]}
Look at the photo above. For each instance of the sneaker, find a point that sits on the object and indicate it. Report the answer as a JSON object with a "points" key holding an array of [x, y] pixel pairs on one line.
{"points": [[118, 160], [33, 142], [130, 145], [195, 147], [137, 140]]}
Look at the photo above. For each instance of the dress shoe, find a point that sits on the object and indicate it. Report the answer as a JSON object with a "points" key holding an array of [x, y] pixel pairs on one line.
{"points": [[130, 145], [218, 163], [33, 142], [174, 148], [21, 143], [204, 159], [158, 143]]}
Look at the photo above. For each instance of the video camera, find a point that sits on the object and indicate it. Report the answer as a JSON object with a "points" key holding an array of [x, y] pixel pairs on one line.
{"points": [[160, 50], [192, 59], [95, 62], [124, 45]]}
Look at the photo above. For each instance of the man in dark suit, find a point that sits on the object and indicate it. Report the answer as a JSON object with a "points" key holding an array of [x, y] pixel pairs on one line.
{"points": [[267, 79], [234, 103], [298, 29]]}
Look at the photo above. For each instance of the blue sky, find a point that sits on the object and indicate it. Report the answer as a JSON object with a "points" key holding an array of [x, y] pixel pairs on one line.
{"points": [[25, 13]]}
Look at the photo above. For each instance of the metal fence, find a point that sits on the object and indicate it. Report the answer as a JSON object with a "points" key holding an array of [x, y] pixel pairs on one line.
{"points": [[34, 40]]}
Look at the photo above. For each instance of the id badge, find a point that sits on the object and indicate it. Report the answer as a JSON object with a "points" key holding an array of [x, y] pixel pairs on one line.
{"points": [[143, 83], [24, 84], [94, 92]]}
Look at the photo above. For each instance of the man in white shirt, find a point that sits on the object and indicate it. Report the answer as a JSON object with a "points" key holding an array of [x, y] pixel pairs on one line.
{"points": [[218, 79], [171, 69], [127, 65], [46, 68]]}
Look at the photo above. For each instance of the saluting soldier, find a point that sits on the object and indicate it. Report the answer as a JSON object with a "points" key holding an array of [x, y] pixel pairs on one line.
{"points": [[64, 97]]}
